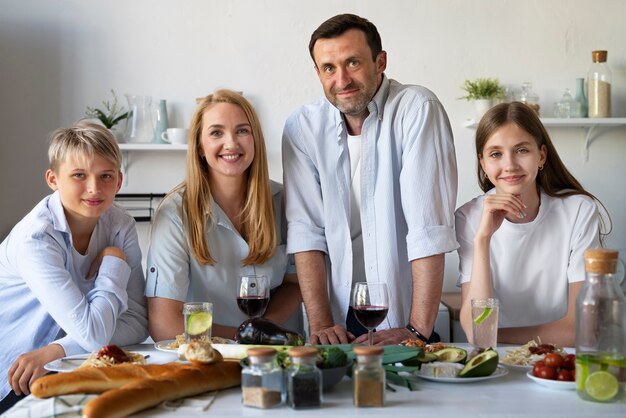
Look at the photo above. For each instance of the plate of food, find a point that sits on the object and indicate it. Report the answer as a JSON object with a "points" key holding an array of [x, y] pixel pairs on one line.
{"points": [[499, 372], [106, 356], [524, 357], [552, 384], [171, 346]]}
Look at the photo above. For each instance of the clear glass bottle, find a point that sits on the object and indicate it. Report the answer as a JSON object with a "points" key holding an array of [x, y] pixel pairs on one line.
{"points": [[581, 97], [368, 376], [599, 86], [601, 331], [304, 379], [567, 107], [262, 380], [529, 97]]}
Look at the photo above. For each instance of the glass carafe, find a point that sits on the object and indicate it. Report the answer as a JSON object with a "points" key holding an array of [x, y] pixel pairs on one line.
{"points": [[601, 331], [139, 126]]}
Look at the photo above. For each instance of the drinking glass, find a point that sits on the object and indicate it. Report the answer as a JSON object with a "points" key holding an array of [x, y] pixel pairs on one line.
{"points": [[485, 322], [253, 295], [370, 303], [198, 321]]}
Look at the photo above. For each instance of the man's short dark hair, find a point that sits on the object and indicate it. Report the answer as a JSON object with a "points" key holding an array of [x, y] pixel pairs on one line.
{"points": [[338, 25]]}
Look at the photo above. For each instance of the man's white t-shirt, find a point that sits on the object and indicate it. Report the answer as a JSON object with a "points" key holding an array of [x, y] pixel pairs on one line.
{"points": [[358, 262]]}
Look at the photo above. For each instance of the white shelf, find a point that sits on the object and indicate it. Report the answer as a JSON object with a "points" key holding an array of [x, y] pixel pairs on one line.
{"points": [[568, 123], [588, 124], [152, 147], [126, 149]]}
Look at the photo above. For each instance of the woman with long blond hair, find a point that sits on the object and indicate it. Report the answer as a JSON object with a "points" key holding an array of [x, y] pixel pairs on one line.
{"points": [[523, 241], [225, 220]]}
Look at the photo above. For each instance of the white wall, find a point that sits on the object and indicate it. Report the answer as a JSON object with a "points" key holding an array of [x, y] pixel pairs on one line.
{"points": [[59, 56]]}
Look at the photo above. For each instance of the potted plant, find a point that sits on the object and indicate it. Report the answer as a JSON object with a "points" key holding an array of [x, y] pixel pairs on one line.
{"points": [[112, 114], [483, 92]]}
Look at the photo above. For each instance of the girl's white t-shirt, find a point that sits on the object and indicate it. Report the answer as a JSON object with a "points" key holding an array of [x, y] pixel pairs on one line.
{"points": [[532, 263]]}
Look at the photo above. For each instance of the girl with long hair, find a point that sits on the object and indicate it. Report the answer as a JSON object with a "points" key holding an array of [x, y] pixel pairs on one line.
{"points": [[523, 241]]}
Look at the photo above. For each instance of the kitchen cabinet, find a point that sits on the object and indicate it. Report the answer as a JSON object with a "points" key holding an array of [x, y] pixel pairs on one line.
{"points": [[593, 127]]}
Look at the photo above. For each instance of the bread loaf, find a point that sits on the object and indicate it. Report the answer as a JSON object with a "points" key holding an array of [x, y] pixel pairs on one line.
{"points": [[189, 380], [97, 380]]}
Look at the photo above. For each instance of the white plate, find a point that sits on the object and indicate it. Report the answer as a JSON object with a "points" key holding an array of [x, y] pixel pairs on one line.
{"points": [[163, 346], [70, 363], [499, 372], [517, 367], [552, 384]]}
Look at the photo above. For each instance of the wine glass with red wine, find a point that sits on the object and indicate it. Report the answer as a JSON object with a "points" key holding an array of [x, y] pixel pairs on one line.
{"points": [[253, 295], [370, 302]]}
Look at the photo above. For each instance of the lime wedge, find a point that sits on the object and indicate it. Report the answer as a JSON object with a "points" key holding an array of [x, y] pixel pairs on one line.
{"points": [[199, 322], [601, 385], [582, 370], [479, 319]]}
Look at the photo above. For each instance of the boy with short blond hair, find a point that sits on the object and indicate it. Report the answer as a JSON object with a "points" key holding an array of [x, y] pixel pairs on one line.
{"points": [[71, 278]]}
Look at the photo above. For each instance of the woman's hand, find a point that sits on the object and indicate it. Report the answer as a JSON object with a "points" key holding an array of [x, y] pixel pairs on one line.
{"points": [[29, 366], [496, 207]]}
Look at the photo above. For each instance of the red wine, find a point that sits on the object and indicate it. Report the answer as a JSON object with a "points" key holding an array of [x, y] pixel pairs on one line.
{"points": [[370, 316], [253, 305]]}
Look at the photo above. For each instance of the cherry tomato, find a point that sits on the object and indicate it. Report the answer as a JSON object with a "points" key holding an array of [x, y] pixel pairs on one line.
{"points": [[569, 362], [565, 375], [554, 360], [547, 373], [538, 365]]}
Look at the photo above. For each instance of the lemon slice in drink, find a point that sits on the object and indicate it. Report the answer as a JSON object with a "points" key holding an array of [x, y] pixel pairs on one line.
{"points": [[480, 318], [199, 322], [601, 385]]}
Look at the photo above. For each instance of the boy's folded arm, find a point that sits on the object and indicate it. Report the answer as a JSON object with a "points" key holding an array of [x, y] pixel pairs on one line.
{"points": [[90, 318]]}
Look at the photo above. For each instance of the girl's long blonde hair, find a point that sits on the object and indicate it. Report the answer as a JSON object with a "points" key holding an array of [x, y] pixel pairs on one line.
{"points": [[258, 227]]}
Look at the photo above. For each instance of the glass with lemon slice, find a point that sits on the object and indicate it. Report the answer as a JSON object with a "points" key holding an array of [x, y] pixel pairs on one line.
{"points": [[485, 322], [198, 321]]}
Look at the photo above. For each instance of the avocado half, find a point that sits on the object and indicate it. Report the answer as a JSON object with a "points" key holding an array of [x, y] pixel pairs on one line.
{"points": [[483, 364]]}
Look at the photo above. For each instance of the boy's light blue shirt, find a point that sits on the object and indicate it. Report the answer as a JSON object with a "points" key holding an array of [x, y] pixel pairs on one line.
{"points": [[45, 296], [408, 190]]}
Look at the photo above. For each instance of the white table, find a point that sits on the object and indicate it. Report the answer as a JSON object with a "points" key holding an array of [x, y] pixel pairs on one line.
{"points": [[513, 395]]}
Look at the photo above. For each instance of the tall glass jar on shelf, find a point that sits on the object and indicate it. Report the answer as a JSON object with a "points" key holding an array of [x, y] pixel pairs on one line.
{"points": [[601, 331], [599, 86]]}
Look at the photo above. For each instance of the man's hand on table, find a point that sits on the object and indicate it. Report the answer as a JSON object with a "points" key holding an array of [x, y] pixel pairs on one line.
{"points": [[331, 335], [389, 336]]}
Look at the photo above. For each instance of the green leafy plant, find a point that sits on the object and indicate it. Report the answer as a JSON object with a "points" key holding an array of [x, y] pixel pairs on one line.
{"points": [[112, 115], [483, 88]]}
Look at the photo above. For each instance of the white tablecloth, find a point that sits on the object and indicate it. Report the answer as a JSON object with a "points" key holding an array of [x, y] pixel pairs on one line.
{"points": [[513, 395]]}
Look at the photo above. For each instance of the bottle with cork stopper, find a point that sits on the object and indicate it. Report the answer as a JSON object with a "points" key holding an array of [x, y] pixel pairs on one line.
{"points": [[599, 86], [304, 379], [368, 376], [601, 331]]}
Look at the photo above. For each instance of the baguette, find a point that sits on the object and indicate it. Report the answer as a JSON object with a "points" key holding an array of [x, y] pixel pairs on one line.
{"points": [[97, 380], [148, 392]]}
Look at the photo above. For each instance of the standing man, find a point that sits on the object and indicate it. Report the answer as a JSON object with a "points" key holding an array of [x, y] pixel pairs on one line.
{"points": [[370, 179]]}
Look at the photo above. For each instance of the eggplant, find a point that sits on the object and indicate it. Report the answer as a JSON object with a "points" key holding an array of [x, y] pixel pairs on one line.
{"points": [[265, 332]]}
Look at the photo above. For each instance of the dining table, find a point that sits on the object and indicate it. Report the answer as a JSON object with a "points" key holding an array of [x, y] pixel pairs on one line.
{"points": [[512, 394]]}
